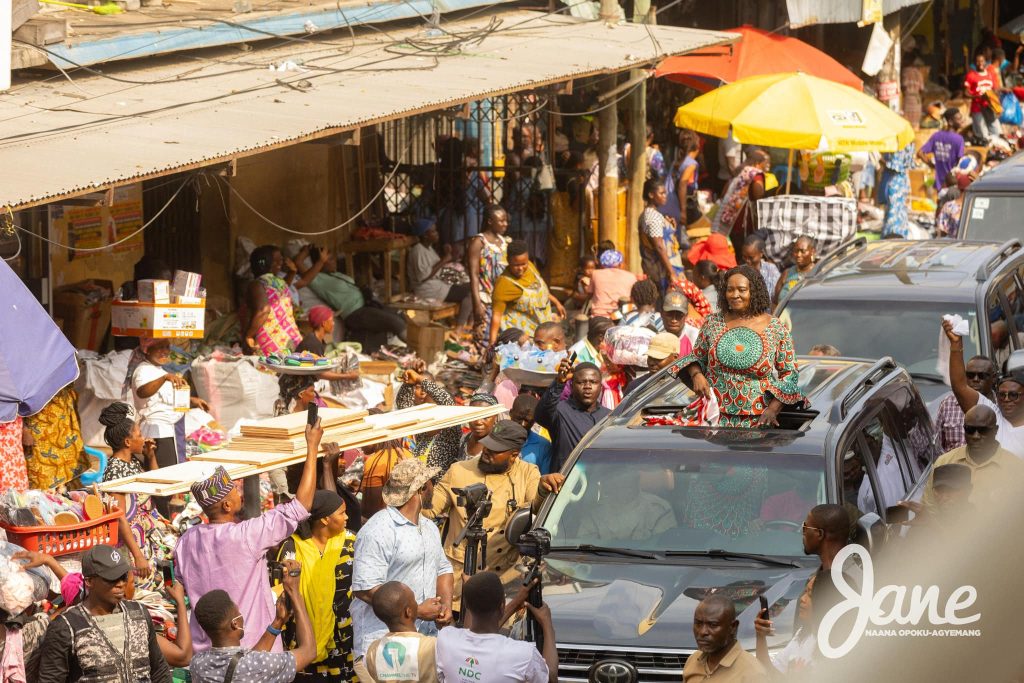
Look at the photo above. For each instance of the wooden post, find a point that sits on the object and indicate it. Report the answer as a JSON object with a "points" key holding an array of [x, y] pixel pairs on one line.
{"points": [[607, 208], [637, 103]]}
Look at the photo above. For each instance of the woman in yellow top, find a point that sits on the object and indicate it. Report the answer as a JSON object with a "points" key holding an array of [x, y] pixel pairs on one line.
{"points": [[521, 298], [325, 547]]}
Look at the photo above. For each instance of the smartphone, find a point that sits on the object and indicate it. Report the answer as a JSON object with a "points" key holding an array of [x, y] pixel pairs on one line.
{"points": [[572, 358], [168, 573], [764, 607], [311, 414]]}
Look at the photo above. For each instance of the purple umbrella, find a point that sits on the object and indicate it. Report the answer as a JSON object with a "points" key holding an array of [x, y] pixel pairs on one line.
{"points": [[36, 359]]}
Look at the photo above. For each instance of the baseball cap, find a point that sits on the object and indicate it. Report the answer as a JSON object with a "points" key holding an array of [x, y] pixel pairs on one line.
{"points": [[952, 476], [663, 345], [675, 301], [407, 477], [105, 562], [505, 436]]}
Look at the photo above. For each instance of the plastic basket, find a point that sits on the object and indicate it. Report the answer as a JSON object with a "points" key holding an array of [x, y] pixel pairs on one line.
{"points": [[63, 540]]}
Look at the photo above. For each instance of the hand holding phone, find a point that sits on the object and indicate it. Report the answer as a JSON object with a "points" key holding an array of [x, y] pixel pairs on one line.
{"points": [[764, 607]]}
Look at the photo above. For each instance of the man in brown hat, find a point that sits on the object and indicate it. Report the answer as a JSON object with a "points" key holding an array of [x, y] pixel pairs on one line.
{"points": [[400, 544]]}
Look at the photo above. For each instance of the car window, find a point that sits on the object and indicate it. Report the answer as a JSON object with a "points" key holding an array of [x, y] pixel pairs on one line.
{"points": [[1005, 308], [686, 499], [873, 478], [916, 429], [906, 330], [992, 218]]}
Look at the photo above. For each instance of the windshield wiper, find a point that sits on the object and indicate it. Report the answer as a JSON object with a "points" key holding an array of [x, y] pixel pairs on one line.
{"points": [[729, 555], [928, 376], [591, 548]]}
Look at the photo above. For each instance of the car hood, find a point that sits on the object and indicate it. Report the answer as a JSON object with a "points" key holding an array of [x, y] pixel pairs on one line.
{"points": [[634, 603]]}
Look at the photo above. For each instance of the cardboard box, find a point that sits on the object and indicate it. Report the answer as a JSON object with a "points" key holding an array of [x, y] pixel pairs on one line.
{"points": [[154, 291], [186, 284], [84, 318], [426, 340], [161, 321]]}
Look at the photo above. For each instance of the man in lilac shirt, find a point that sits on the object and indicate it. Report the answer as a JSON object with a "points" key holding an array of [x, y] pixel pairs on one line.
{"points": [[230, 555], [946, 146]]}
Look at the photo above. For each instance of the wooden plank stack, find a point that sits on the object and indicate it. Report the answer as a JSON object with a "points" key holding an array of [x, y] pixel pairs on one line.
{"points": [[281, 441]]}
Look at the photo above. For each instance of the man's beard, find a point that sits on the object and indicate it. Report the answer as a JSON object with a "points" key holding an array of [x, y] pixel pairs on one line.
{"points": [[493, 468]]}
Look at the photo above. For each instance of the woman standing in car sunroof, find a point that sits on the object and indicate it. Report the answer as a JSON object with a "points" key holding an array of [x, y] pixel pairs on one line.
{"points": [[744, 355]]}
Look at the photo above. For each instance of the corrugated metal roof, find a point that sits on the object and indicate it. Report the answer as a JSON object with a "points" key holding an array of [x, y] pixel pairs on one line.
{"points": [[60, 139]]}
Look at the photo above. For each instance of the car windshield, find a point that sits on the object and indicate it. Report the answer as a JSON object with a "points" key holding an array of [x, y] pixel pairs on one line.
{"points": [[906, 330], [992, 218], [687, 500]]}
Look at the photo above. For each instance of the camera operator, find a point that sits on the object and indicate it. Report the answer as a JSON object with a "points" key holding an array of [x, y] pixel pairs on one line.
{"points": [[512, 484]]}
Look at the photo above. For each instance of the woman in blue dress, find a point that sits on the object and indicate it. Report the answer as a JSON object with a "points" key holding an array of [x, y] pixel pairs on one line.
{"points": [[895, 191]]}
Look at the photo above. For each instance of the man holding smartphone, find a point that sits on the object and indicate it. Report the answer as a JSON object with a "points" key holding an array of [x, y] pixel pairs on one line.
{"points": [[230, 555]]}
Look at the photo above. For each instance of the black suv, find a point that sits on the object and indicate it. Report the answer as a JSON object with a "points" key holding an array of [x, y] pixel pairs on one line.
{"points": [[652, 518], [887, 298]]}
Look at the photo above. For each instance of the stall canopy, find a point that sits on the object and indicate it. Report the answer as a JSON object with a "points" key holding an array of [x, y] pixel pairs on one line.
{"points": [[757, 53], [138, 120], [797, 111], [36, 359]]}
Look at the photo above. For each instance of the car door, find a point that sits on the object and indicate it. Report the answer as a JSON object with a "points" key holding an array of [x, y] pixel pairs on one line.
{"points": [[874, 467], [1004, 307]]}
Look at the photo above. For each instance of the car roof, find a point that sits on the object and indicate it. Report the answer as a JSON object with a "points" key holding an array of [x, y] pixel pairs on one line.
{"points": [[826, 381], [914, 268], [1008, 176]]}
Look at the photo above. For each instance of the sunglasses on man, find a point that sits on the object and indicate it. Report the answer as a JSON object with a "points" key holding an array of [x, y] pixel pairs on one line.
{"points": [[973, 429]]}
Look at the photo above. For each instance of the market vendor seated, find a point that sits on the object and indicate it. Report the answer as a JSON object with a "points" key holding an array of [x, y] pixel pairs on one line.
{"points": [[369, 325], [321, 319], [232, 556]]}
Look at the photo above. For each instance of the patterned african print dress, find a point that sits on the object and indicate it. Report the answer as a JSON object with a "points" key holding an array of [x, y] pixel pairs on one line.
{"points": [[746, 368]]}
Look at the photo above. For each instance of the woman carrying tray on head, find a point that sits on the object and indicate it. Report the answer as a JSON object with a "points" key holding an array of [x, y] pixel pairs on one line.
{"points": [[139, 528]]}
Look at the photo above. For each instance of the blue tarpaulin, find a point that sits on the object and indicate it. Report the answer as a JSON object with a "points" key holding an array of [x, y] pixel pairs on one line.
{"points": [[36, 359]]}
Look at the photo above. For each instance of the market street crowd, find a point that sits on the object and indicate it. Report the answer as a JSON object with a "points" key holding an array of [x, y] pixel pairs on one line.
{"points": [[351, 567]]}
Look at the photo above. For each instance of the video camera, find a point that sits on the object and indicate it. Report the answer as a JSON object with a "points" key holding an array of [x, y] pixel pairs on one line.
{"points": [[473, 497]]}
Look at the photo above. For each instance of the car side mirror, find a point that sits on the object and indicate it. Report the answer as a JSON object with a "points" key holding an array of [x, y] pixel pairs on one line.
{"points": [[870, 531], [1015, 361], [518, 525]]}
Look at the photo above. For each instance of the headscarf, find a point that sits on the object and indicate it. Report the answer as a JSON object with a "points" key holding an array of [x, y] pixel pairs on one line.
{"points": [[318, 315], [422, 226], [118, 419], [610, 258], [71, 588], [483, 398], [325, 504]]}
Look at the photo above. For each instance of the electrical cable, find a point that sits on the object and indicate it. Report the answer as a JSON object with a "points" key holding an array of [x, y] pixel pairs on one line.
{"points": [[88, 250], [619, 98], [369, 205]]}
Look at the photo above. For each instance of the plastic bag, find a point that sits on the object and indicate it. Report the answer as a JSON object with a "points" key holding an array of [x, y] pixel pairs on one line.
{"points": [[20, 587], [1012, 113], [628, 345]]}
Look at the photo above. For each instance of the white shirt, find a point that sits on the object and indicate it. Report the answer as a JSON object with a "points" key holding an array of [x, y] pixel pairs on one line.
{"points": [[467, 657], [157, 411], [890, 481], [391, 548], [728, 150], [1009, 437]]}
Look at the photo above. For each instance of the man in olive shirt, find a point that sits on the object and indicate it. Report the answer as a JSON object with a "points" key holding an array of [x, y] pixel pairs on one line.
{"points": [[721, 658], [995, 471], [513, 484]]}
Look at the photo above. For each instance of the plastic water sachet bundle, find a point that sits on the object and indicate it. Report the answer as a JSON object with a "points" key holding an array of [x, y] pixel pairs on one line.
{"points": [[528, 357]]}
